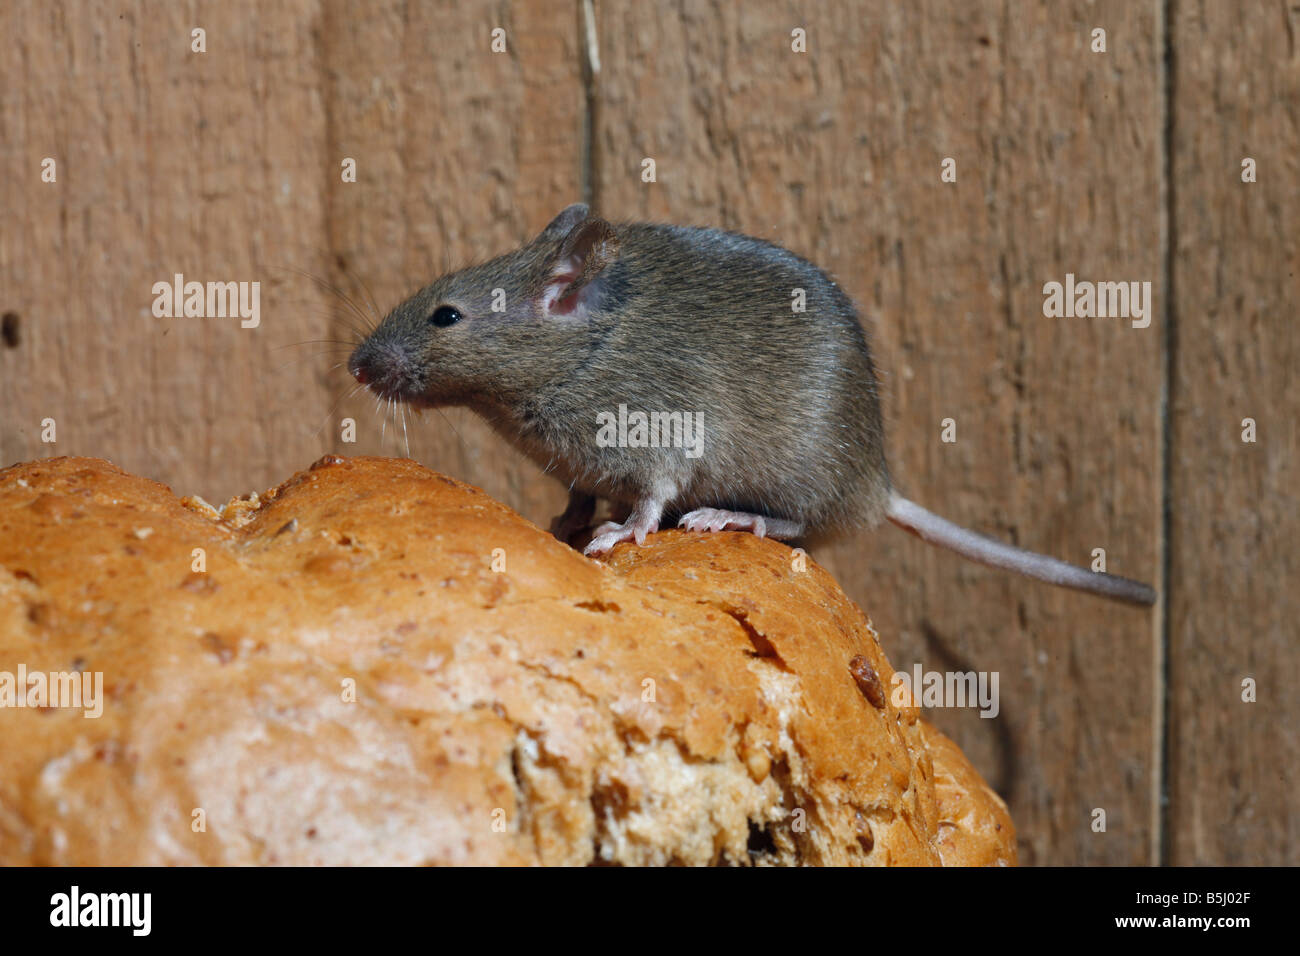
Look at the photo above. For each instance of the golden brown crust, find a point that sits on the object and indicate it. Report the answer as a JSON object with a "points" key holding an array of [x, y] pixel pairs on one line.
{"points": [[975, 828], [691, 701]]}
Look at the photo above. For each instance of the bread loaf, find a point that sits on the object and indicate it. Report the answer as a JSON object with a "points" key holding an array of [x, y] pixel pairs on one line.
{"points": [[375, 664]]}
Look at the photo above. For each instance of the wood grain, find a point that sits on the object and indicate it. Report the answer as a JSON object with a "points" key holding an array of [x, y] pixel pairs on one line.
{"points": [[225, 165], [1234, 767], [169, 161]]}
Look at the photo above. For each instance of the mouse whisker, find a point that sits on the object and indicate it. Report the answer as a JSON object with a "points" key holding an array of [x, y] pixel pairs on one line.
{"points": [[310, 357], [406, 439], [382, 411], [327, 286], [333, 408], [344, 318], [293, 345], [374, 306], [459, 438], [333, 315], [346, 325]]}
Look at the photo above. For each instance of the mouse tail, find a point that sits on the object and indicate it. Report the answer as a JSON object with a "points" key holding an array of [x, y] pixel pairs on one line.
{"points": [[928, 526]]}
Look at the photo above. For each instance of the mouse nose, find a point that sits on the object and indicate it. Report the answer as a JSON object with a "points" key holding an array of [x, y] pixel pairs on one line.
{"points": [[382, 367]]}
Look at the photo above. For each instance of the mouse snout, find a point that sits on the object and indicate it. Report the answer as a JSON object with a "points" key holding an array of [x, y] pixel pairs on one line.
{"points": [[384, 369]]}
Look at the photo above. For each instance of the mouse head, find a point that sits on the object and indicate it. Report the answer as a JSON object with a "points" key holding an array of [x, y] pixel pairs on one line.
{"points": [[499, 330]]}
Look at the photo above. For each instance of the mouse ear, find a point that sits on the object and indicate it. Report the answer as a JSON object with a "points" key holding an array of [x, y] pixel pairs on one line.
{"points": [[589, 247], [562, 224]]}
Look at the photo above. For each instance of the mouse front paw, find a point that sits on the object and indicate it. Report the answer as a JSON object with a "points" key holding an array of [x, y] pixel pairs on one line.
{"points": [[612, 533]]}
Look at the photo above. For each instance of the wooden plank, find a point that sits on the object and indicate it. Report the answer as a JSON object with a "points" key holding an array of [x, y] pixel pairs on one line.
{"points": [[836, 153], [462, 154], [226, 166], [168, 161], [1234, 766]]}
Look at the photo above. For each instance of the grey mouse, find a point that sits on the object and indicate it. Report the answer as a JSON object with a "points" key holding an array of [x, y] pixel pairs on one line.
{"points": [[674, 371]]}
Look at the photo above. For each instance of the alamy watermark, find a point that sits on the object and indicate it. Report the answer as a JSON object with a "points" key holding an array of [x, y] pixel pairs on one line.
{"points": [[78, 690], [1101, 300], [130, 910], [947, 689], [212, 300], [636, 429]]}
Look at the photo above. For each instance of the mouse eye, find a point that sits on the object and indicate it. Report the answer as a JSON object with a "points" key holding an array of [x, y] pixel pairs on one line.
{"points": [[444, 316]]}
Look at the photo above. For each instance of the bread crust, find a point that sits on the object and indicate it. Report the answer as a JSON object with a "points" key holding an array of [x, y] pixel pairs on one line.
{"points": [[689, 702]]}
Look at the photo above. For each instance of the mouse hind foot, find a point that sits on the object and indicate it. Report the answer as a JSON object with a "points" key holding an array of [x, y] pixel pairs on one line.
{"points": [[716, 519], [643, 520]]}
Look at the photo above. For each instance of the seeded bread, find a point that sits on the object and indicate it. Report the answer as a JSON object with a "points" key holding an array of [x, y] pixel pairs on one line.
{"points": [[375, 664]]}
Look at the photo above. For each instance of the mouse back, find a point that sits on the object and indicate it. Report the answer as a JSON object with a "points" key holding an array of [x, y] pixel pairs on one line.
{"points": [[591, 319]]}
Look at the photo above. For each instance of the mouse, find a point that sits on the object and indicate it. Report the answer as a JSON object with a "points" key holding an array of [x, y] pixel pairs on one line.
{"points": [[684, 374]]}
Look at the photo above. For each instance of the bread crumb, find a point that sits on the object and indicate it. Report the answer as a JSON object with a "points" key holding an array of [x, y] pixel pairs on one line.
{"points": [[195, 503]]}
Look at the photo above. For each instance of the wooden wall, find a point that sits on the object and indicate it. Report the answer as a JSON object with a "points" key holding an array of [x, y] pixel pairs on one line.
{"points": [[1073, 434]]}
